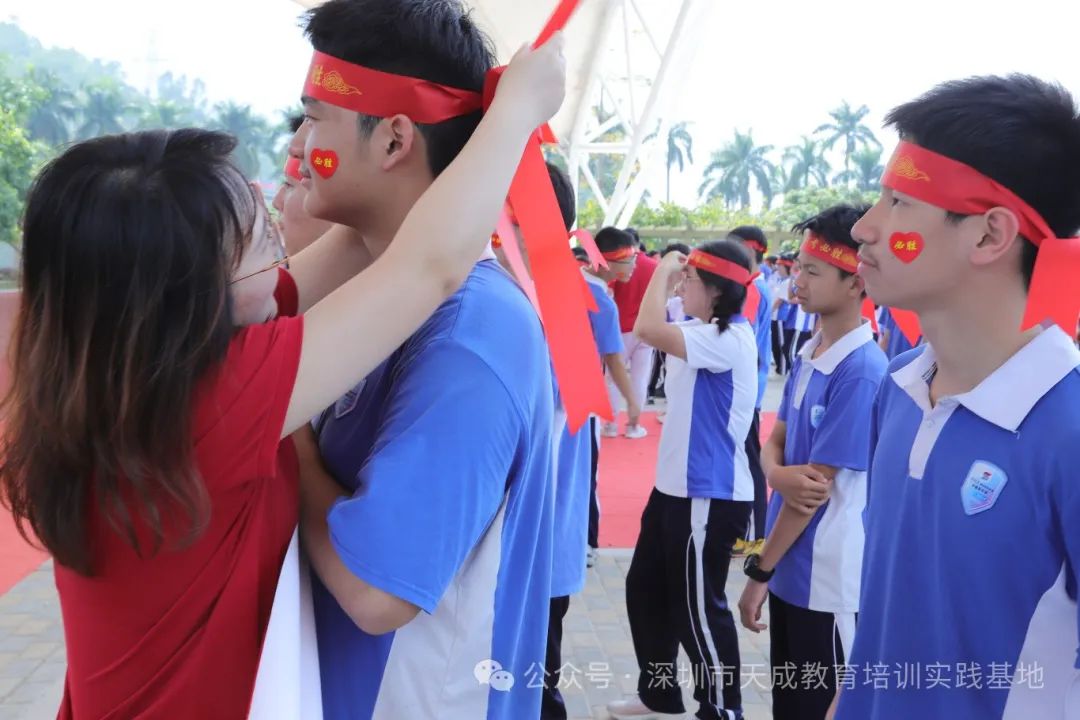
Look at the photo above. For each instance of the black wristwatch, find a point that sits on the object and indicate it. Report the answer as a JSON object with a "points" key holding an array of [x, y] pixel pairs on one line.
{"points": [[752, 568]]}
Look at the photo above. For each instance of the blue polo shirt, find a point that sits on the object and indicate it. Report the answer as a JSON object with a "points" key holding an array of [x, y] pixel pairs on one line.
{"points": [[973, 543], [763, 334], [826, 407], [785, 314], [446, 447], [710, 407], [897, 343], [573, 464]]}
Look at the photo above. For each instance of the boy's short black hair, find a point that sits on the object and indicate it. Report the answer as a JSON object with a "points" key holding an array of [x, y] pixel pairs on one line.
{"points": [[751, 233], [675, 247], [1018, 130], [564, 193], [434, 40], [610, 239], [580, 254], [834, 225]]}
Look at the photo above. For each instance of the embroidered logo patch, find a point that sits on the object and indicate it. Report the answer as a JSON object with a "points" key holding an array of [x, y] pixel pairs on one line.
{"points": [[983, 487], [817, 412]]}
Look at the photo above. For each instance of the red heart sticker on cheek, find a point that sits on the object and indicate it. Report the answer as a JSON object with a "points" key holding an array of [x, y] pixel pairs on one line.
{"points": [[324, 162], [906, 246]]}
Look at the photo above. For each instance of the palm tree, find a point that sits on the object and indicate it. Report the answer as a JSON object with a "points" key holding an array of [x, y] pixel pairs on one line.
{"points": [[254, 138], [731, 169], [680, 151], [866, 172], [847, 126], [54, 109], [104, 110], [807, 162], [165, 114]]}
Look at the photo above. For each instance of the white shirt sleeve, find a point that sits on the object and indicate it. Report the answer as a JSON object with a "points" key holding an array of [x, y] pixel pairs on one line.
{"points": [[707, 349]]}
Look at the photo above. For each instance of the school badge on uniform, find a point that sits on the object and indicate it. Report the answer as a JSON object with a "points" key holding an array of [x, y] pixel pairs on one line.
{"points": [[816, 414], [983, 486]]}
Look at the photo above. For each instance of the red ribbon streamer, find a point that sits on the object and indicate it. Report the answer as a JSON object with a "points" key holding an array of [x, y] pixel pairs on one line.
{"points": [[954, 186], [556, 274], [908, 322], [869, 314], [588, 242], [753, 302]]}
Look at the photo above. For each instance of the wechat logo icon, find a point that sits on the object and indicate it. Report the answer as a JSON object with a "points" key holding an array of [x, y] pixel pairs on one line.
{"points": [[490, 672]]}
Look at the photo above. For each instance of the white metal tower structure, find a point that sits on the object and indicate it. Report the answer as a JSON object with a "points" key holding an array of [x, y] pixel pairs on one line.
{"points": [[627, 56]]}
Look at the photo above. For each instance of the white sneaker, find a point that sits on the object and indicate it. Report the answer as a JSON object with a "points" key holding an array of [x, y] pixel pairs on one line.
{"points": [[661, 417], [636, 432], [590, 557], [634, 709], [609, 430]]}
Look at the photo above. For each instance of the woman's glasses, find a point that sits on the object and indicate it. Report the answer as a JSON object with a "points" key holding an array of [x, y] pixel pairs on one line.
{"points": [[270, 237]]}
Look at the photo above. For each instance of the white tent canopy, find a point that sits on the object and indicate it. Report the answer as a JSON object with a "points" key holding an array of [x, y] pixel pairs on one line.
{"points": [[628, 56]]}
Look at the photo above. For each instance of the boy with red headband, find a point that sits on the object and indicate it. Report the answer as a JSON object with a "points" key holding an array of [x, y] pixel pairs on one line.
{"points": [[433, 555], [758, 311], [816, 462], [628, 290], [297, 227], [973, 544]]}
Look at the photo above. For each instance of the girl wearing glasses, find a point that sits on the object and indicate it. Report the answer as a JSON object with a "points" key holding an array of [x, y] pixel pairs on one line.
{"points": [[157, 378], [704, 491]]}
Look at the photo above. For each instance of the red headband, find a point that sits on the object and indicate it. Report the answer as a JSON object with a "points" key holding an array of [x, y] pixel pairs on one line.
{"points": [[563, 306], [787, 263], [381, 94], [720, 266], [754, 243], [623, 253], [839, 256], [959, 188], [292, 168]]}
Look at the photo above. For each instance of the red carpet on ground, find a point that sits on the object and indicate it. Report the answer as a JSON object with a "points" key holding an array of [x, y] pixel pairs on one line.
{"points": [[626, 477]]}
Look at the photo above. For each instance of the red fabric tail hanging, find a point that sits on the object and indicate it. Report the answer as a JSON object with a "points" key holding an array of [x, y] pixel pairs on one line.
{"points": [[555, 273]]}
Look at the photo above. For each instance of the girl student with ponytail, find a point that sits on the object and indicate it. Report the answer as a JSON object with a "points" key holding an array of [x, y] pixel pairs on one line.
{"points": [[704, 490], [156, 381]]}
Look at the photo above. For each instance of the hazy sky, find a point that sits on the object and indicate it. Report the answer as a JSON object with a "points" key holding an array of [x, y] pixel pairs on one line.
{"points": [[777, 67]]}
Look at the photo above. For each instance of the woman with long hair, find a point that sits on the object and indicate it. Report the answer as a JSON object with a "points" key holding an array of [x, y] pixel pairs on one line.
{"points": [[157, 378], [704, 490]]}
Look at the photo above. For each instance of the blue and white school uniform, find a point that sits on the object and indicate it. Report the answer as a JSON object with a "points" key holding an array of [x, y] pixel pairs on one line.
{"points": [[572, 463], [573, 460], [447, 449], [973, 543], [814, 593], [701, 505]]}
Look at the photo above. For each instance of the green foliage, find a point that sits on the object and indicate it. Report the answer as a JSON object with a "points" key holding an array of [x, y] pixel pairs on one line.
{"points": [[50, 97], [17, 159], [800, 205]]}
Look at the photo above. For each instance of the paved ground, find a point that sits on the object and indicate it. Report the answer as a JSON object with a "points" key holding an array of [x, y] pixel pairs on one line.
{"points": [[597, 650], [599, 656], [597, 644]]}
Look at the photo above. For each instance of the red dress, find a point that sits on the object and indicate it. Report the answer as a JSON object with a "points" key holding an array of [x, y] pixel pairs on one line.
{"points": [[178, 634]]}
